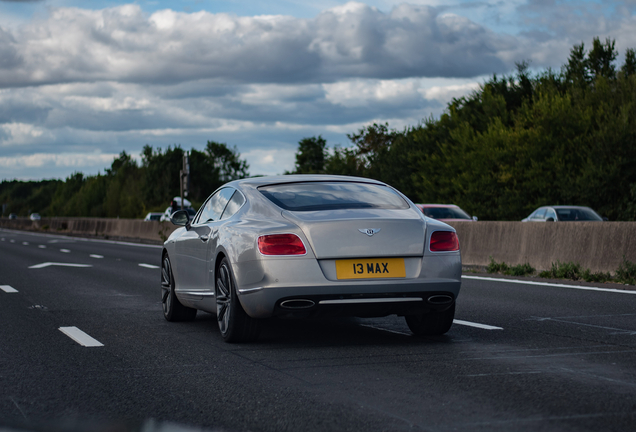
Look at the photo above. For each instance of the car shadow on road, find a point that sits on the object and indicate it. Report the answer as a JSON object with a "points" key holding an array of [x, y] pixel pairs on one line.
{"points": [[330, 331]]}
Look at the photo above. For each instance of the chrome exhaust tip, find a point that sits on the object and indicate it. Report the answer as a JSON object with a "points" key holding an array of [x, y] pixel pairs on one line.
{"points": [[440, 299], [297, 304]]}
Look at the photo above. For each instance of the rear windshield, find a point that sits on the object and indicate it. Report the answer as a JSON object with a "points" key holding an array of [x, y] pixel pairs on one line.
{"points": [[577, 214], [316, 196], [445, 213]]}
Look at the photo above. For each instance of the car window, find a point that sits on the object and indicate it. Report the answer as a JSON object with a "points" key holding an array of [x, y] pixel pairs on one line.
{"points": [[538, 214], [213, 208], [318, 196], [549, 213], [233, 205], [445, 213], [577, 214]]}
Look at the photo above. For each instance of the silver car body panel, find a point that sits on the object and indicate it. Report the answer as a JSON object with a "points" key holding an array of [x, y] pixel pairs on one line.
{"points": [[262, 280]]}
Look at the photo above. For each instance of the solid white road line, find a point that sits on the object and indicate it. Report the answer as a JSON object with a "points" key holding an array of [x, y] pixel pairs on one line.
{"points": [[65, 250], [49, 264], [96, 256], [8, 289], [80, 337], [150, 266], [523, 282], [472, 324]]}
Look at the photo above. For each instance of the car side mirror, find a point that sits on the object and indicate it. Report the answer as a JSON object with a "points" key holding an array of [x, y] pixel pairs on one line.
{"points": [[180, 218], [475, 218], [550, 219]]}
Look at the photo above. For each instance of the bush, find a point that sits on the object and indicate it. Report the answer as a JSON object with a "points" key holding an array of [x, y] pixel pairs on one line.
{"points": [[561, 270], [518, 270], [626, 272]]}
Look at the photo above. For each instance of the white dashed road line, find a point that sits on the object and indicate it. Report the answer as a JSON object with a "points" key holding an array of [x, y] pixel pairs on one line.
{"points": [[150, 266], [42, 247], [477, 325], [96, 256], [65, 250], [25, 243], [80, 337], [523, 282], [49, 264], [8, 289]]}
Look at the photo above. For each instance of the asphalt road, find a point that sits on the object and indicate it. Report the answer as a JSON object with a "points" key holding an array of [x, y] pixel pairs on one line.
{"points": [[520, 357]]}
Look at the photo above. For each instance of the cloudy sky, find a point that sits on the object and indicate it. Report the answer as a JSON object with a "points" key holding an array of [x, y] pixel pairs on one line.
{"points": [[80, 81]]}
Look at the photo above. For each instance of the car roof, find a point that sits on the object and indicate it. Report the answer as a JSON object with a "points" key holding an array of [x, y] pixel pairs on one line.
{"points": [[566, 207], [437, 205], [296, 178]]}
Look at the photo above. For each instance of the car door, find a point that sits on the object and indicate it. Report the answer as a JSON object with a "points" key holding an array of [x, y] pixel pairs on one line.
{"points": [[194, 249]]}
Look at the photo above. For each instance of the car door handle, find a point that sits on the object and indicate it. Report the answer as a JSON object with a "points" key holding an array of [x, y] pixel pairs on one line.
{"points": [[204, 238]]}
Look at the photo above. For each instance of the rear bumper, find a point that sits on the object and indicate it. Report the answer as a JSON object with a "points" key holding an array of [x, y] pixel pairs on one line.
{"points": [[350, 300], [264, 285]]}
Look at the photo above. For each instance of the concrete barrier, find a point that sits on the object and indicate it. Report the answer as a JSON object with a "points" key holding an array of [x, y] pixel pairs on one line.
{"points": [[599, 246], [117, 229]]}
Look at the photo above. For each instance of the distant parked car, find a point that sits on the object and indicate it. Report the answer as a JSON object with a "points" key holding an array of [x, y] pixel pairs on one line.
{"points": [[153, 216], [176, 205], [563, 214], [35, 217], [13, 216], [165, 216], [445, 212]]}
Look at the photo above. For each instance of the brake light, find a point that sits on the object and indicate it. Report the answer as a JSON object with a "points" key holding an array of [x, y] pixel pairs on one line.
{"points": [[281, 244], [444, 241]]}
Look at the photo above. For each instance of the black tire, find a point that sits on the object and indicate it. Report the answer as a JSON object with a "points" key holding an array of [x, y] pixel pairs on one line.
{"points": [[234, 324], [432, 323], [173, 310]]}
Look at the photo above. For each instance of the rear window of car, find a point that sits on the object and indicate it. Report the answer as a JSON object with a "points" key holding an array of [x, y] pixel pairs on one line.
{"points": [[318, 196]]}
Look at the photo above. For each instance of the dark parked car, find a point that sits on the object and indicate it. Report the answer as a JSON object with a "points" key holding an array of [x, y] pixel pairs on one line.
{"points": [[563, 214]]}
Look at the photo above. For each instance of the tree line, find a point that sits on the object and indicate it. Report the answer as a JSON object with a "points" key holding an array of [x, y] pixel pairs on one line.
{"points": [[127, 189], [518, 142]]}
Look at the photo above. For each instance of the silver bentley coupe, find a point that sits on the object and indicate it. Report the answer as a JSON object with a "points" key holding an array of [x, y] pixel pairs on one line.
{"points": [[299, 246]]}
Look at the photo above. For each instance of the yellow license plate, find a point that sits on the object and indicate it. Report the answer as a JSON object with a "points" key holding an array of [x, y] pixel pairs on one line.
{"points": [[369, 268]]}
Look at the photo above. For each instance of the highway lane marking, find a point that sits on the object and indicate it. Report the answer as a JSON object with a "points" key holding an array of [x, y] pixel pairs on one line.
{"points": [[65, 250], [585, 288], [11, 241], [618, 330], [80, 337], [42, 247], [477, 325], [49, 264], [65, 239], [25, 243], [150, 266], [96, 256], [8, 289]]}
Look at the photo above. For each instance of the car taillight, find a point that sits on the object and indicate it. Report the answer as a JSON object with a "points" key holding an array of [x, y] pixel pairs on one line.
{"points": [[444, 241], [281, 244]]}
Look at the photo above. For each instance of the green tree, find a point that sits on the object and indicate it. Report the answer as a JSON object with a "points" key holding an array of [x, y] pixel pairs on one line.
{"points": [[311, 155]]}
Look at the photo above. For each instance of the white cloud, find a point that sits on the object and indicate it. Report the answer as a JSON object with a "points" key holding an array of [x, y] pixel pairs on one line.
{"points": [[73, 80], [66, 160], [270, 162]]}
